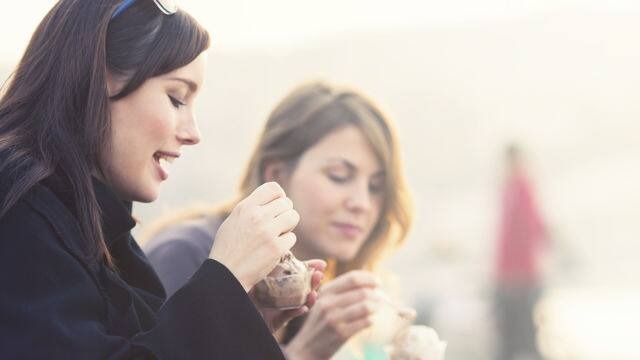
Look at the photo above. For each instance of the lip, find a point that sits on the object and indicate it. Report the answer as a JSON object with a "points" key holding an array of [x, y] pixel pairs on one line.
{"points": [[162, 173], [172, 154], [348, 230]]}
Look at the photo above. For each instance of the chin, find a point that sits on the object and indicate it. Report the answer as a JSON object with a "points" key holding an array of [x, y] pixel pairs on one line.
{"points": [[147, 197], [144, 194], [345, 255]]}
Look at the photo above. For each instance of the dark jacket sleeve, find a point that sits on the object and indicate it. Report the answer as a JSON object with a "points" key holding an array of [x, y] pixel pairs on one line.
{"points": [[51, 307]]}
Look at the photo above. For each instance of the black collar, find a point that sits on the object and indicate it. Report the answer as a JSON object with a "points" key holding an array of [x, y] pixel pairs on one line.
{"points": [[116, 214]]}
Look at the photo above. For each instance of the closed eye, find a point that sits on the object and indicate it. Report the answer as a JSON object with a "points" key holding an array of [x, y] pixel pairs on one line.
{"points": [[175, 102], [339, 179]]}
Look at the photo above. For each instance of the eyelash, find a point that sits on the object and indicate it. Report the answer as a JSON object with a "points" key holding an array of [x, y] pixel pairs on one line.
{"points": [[175, 102], [337, 179], [374, 189]]}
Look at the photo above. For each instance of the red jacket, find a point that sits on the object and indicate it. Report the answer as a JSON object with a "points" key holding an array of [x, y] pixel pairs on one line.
{"points": [[521, 232]]}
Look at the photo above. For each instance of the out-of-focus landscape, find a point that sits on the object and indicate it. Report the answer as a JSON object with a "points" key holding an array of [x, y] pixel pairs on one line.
{"points": [[560, 78]]}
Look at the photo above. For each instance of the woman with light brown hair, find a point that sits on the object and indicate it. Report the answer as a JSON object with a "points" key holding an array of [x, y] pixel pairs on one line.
{"points": [[335, 154]]}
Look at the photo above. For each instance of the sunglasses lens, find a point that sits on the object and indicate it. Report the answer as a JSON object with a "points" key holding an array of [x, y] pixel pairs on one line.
{"points": [[167, 6]]}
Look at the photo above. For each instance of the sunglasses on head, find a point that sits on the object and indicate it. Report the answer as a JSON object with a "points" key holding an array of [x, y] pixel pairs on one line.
{"points": [[168, 7]]}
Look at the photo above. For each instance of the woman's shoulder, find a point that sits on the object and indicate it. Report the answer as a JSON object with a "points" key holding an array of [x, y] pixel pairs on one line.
{"points": [[24, 222], [197, 233], [30, 215], [30, 240], [38, 220]]}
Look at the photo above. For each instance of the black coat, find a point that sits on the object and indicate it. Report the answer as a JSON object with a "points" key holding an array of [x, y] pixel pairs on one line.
{"points": [[54, 304]]}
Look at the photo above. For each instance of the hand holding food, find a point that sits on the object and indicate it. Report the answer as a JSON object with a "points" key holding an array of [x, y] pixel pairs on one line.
{"points": [[286, 286], [256, 234]]}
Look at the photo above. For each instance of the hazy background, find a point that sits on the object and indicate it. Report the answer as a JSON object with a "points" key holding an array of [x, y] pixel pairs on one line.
{"points": [[461, 79]]}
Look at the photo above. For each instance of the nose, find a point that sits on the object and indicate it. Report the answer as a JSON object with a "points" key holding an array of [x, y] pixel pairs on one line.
{"points": [[359, 199], [188, 132]]}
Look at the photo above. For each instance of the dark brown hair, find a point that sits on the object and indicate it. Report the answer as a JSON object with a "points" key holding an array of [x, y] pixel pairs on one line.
{"points": [[54, 114]]}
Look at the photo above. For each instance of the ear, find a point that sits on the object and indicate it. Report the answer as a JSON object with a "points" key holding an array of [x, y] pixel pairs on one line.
{"points": [[276, 170], [114, 83]]}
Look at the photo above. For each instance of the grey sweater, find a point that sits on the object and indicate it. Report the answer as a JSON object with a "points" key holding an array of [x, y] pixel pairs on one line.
{"points": [[177, 252]]}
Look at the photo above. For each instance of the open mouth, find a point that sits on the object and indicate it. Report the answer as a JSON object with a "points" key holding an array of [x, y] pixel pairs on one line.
{"points": [[162, 161]]}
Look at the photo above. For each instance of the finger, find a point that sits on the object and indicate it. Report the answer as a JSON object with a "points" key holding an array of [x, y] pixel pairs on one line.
{"points": [[316, 278], [311, 299], [349, 281], [358, 311], [344, 299], [277, 207], [294, 313], [353, 327], [281, 318], [317, 264], [286, 242], [287, 315], [286, 221], [265, 194]]}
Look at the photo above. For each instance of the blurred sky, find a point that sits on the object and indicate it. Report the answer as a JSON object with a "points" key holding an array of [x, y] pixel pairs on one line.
{"points": [[258, 23]]}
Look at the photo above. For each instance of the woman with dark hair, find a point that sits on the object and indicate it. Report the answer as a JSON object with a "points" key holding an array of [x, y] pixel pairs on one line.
{"points": [[100, 102], [336, 155]]}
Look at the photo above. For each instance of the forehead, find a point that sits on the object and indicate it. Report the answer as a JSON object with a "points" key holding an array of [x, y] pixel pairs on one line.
{"points": [[193, 72], [344, 144]]}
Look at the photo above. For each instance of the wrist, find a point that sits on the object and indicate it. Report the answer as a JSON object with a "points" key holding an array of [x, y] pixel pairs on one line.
{"points": [[293, 351], [234, 272]]}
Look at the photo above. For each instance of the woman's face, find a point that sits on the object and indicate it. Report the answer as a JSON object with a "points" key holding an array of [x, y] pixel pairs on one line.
{"points": [[149, 128], [337, 187]]}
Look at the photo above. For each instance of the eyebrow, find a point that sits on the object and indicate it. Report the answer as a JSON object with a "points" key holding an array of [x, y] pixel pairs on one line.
{"points": [[192, 85], [351, 166]]}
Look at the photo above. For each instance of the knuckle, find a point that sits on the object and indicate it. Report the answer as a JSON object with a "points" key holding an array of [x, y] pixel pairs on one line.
{"points": [[333, 322], [274, 187], [354, 279], [264, 231], [322, 308], [343, 334], [360, 278], [368, 321], [239, 206], [295, 216], [253, 219], [273, 250], [363, 294], [369, 308]]}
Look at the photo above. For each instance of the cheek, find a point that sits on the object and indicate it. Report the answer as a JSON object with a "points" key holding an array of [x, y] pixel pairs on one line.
{"points": [[153, 123], [137, 131], [143, 119], [314, 197], [376, 208]]}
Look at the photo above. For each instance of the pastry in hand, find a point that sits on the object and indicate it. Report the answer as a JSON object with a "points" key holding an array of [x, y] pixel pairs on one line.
{"points": [[287, 285], [417, 342]]}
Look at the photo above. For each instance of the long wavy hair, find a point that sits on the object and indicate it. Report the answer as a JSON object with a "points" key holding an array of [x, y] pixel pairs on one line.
{"points": [[54, 112]]}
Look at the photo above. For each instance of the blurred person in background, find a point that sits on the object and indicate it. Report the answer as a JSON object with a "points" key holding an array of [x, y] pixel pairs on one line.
{"points": [[100, 102], [521, 239], [336, 156]]}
